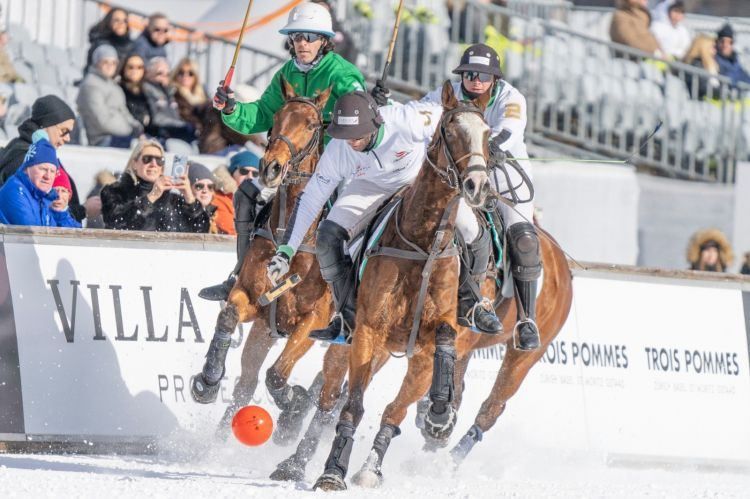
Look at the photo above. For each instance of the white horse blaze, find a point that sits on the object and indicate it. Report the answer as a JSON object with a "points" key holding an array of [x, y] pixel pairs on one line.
{"points": [[474, 127]]}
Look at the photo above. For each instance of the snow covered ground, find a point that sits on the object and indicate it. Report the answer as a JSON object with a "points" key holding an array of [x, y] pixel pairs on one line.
{"points": [[185, 470]]}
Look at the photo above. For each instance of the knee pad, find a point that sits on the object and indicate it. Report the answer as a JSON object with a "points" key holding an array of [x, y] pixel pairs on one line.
{"points": [[329, 248], [524, 252]]}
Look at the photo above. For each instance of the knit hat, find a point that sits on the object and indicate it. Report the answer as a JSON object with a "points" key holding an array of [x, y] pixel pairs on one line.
{"points": [[726, 31], [41, 151], [104, 52], [62, 180], [243, 158], [50, 110], [198, 172]]}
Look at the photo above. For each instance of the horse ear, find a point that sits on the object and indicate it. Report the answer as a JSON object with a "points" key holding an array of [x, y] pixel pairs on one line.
{"points": [[449, 97], [287, 91], [484, 99], [322, 97]]}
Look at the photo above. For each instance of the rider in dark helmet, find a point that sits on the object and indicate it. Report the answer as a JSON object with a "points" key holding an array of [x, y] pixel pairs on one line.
{"points": [[506, 116], [377, 152]]}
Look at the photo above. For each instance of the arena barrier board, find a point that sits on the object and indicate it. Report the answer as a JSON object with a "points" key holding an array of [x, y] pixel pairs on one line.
{"points": [[100, 333]]}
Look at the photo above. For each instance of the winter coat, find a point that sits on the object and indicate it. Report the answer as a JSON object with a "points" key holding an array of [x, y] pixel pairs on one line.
{"points": [[699, 239], [223, 216], [215, 136], [137, 105], [144, 47], [332, 70], [8, 72], [125, 206], [122, 44], [22, 203], [104, 110], [162, 108], [732, 69], [630, 26], [11, 158]]}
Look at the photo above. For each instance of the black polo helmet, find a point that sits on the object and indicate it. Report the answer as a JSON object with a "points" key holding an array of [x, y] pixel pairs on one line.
{"points": [[355, 115], [480, 58]]}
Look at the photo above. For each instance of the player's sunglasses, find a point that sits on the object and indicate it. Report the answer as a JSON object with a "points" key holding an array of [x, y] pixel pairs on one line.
{"points": [[476, 75], [308, 37]]}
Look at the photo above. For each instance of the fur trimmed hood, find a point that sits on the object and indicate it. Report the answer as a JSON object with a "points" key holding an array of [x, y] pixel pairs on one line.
{"points": [[702, 238], [224, 181]]}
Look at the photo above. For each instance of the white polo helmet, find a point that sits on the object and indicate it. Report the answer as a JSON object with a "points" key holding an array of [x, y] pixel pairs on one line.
{"points": [[310, 18]]}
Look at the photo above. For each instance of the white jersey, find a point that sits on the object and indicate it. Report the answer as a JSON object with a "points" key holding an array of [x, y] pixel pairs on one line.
{"points": [[393, 163], [505, 111]]}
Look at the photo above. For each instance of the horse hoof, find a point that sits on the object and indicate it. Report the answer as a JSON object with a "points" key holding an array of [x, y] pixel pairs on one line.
{"points": [[368, 478], [202, 392], [289, 470], [438, 427], [330, 482], [289, 423]]}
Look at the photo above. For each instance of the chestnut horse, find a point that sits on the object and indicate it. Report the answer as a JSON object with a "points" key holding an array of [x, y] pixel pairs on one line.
{"points": [[289, 162], [388, 318]]}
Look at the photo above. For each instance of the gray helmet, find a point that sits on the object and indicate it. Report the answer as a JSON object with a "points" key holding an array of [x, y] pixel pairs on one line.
{"points": [[480, 58], [355, 115]]}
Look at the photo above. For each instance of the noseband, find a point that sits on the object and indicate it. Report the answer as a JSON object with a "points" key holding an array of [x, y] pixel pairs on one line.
{"points": [[292, 175], [452, 176]]}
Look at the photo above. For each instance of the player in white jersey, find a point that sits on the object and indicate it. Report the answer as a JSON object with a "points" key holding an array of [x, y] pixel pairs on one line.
{"points": [[506, 116], [374, 153]]}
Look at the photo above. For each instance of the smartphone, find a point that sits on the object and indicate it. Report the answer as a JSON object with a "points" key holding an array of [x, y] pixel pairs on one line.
{"points": [[179, 166]]}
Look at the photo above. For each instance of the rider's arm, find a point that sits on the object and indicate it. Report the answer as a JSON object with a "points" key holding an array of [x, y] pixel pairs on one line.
{"points": [[419, 119], [318, 190], [254, 117], [434, 97], [511, 125]]}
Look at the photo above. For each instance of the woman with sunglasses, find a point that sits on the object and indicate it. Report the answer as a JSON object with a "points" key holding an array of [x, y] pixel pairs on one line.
{"points": [[112, 30], [313, 68], [506, 116], [143, 199], [189, 93], [132, 78], [152, 42]]}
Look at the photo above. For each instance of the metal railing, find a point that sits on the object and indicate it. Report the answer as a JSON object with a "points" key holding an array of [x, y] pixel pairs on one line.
{"points": [[66, 23], [592, 94]]}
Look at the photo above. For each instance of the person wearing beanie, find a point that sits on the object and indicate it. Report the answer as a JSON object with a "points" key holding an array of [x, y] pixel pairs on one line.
{"points": [[112, 30], [202, 184], [57, 119], [61, 185], [244, 165], [101, 102], [28, 197], [726, 56]]}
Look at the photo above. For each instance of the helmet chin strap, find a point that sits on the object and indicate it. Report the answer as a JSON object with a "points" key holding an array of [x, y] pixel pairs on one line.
{"points": [[373, 140]]}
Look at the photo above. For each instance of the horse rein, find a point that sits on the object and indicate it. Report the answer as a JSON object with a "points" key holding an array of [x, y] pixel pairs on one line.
{"points": [[293, 175], [451, 176]]}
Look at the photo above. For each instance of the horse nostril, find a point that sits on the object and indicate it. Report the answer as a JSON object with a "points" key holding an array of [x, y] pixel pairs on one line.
{"points": [[469, 185]]}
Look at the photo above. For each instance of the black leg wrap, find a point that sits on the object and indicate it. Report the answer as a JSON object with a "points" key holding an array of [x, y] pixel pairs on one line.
{"points": [[338, 460], [371, 475], [293, 467], [467, 442], [441, 390], [213, 369]]}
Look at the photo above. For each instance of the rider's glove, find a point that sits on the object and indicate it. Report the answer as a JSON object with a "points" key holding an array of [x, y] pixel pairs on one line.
{"points": [[279, 264], [497, 155], [224, 99], [380, 93]]}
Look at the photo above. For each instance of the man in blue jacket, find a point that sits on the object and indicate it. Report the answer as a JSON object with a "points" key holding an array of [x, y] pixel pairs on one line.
{"points": [[726, 57], [27, 197]]}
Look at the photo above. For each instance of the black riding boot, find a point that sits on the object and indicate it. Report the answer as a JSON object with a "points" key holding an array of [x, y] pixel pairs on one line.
{"points": [[472, 312], [336, 267], [245, 202], [526, 266]]}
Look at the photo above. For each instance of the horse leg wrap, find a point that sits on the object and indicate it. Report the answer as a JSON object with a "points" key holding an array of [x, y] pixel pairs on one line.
{"points": [[441, 391], [213, 369], [464, 446], [293, 467], [338, 460], [281, 393], [383, 440]]}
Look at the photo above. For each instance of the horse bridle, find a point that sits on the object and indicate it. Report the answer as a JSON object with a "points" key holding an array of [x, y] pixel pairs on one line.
{"points": [[451, 175], [293, 175]]}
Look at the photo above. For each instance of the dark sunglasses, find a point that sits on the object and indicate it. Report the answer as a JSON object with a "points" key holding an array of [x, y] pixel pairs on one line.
{"points": [[308, 37], [244, 170], [188, 72], [160, 161], [200, 187], [160, 30], [476, 75]]}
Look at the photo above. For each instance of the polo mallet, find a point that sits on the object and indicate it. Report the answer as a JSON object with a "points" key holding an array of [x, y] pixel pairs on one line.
{"points": [[394, 36], [230, 73], [279, 289]]}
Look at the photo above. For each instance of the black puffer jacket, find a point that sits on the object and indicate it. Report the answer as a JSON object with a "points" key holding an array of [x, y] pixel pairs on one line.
{"points": [[11, 158], [125, 206]]}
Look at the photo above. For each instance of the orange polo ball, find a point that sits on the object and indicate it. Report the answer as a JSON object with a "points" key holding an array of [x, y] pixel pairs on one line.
{"points": [[252, 425]]}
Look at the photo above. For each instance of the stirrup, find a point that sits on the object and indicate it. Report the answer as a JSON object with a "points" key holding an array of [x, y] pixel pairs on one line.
{"points": [[345, 334], [518, 325]]}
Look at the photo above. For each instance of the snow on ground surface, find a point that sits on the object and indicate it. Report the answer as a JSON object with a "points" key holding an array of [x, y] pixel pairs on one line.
{"points": [[185, 471]]}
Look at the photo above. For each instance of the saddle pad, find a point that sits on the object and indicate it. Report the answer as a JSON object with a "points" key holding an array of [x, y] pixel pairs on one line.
{"points": [[374, 236]]}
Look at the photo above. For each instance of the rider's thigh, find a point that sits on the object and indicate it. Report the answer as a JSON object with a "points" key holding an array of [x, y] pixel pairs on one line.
{"points": [[466, 222], [357, 205]]}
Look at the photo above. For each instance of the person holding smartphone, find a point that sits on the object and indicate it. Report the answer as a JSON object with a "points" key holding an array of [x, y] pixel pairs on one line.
{"points": [[143, 198]]}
